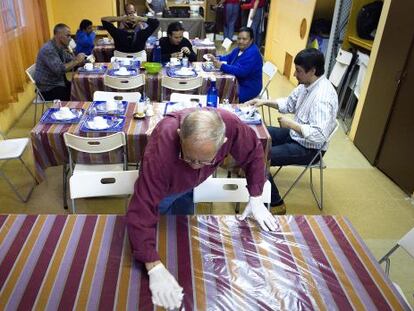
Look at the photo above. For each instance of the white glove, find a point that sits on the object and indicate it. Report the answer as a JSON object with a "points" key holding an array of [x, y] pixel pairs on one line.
{"points": [[260, 213], [164, 288]]}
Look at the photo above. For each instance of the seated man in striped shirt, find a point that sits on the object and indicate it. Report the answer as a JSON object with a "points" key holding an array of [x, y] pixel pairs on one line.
{"points": [[314, 103]]}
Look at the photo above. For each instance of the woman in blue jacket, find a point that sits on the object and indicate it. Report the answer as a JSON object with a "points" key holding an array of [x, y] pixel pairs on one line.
{"points": [[245, 62], [85, 38]]}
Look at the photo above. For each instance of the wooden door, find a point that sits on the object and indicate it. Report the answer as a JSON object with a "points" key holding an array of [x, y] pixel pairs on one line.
{"points": [[396, 156], [287, 32]]}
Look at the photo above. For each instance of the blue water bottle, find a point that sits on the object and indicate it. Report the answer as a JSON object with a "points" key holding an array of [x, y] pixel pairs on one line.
{"points": [[212, 96], [156, 53]]}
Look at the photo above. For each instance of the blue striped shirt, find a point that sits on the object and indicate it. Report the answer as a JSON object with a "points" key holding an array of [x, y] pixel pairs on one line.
{"points": [[315, 108]]}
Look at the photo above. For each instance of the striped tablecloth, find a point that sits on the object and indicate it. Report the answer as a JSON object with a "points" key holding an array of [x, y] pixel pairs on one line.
{"points": [[85, 84], [104, 52], [49, 148], [74, 262]]}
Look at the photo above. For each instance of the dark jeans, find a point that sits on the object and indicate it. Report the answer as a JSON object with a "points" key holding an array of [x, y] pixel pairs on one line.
{"points": [[286, 151], [232, 13], [256, 26], [177, 204], [59, 92]]}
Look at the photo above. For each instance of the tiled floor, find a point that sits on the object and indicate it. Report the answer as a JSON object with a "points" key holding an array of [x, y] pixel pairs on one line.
{"points": [[378, 209]]}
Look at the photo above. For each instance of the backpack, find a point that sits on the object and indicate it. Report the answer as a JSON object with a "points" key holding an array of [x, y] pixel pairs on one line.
{"points": [[367, 20]]}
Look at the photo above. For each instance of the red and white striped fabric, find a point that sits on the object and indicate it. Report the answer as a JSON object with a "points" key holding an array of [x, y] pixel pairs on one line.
{"points": [[53, 262]]}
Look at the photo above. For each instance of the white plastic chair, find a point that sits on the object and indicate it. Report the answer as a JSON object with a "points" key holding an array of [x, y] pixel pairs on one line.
{"points": [[39, 99], [99, 184], [232, 190], [181, 84], [406, 243], [342, 62], [124, 83], [127, 96], [187, 98], [93, 145], [226, 44], [316, 163], [141, 55], [270, 71], [12, 149]]}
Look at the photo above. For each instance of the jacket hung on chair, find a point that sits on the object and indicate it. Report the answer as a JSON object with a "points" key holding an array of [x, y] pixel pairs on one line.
{"points": [[247, 67]]}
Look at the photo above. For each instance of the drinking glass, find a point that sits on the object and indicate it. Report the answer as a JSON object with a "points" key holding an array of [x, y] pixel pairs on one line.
{"points": [[120, 106], [92, 113]]}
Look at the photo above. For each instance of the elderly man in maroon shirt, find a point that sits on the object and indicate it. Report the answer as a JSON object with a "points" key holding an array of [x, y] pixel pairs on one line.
{"points": [[184, 149]]}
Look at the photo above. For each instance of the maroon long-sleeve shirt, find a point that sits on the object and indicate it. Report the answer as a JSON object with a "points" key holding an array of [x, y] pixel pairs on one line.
{"points": [[163, 173]]}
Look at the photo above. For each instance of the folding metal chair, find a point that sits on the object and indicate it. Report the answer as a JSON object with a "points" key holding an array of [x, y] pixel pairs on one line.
{"points": [[316, 163], [233, 190], [12, 149], [39, 99], [101, 184], [270, 71], [92, 145]]}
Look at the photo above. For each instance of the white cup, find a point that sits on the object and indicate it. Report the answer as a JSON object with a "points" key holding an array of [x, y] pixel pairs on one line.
{"points": [[65, 112], [174, 61], [123, 70], [99, 122], [88, 66], [111, 105]]}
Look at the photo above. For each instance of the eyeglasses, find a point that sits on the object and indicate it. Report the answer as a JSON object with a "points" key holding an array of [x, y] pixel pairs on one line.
{"points": [[195, 162]]}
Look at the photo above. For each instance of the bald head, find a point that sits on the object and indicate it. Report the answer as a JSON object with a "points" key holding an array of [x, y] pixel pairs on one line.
{"points": [[203, 126], [130, 9]]}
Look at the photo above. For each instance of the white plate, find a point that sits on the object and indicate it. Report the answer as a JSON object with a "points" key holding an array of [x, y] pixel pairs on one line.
{"points": [[184, 73], [125, 73], [91, 125], [59, 116], [205, 42]]}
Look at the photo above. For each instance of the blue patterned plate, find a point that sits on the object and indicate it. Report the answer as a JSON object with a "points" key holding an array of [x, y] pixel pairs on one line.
{"points": [[175, 72], [96, 70], [130, 72], [52, 116], [249, 116], [114, 124], [208, 68], [101, 108]]}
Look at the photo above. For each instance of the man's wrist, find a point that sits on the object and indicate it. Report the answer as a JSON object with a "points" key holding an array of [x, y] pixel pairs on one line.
{"points": [[257, 200], [150, 265]]}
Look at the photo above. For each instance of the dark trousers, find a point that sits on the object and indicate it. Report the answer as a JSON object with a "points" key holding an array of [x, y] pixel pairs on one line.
{"points": [[177, 204], [59, 92], [286, 151]]}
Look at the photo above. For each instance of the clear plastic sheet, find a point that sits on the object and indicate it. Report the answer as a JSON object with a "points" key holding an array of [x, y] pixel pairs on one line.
{"points": [[85, 262]]}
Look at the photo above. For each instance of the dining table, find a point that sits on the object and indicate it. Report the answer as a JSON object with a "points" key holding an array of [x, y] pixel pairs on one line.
{"points": [[85, 262], [84, 84], [49, 148], [103, 52]]}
